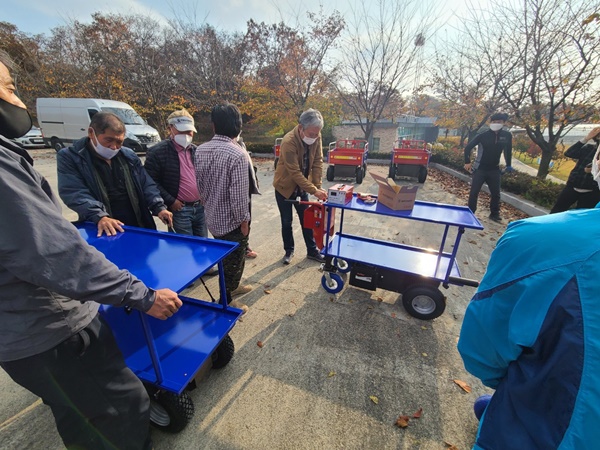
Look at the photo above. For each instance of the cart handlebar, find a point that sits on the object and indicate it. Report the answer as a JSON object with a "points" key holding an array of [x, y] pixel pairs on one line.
{"points": [[463, 281]]}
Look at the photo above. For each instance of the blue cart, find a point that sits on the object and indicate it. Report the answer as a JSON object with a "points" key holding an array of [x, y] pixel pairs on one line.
{"points": [[414, 272], [167, 354]]}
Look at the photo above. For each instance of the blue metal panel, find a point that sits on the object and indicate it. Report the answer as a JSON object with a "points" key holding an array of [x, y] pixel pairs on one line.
{"points": [[160, 260], [389, 255], [459, 216]]}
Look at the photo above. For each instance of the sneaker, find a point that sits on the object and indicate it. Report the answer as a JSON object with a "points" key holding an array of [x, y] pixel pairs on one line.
{"points": [[288, 257], [239, 305], [241, 290], [214, 270], [316, 257], [495, 218], [251, 253]]}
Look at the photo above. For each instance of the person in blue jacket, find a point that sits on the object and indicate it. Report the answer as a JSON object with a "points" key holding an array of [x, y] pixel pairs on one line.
{"points": [[532, 333], [105, 183]]}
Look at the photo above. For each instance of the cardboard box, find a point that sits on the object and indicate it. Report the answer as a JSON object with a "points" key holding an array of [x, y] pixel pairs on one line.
{"points": [[398, 198], [340, 194]]}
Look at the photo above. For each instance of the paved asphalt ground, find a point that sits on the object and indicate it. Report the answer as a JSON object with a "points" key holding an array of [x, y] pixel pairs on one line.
{"points": [[334, 371]]}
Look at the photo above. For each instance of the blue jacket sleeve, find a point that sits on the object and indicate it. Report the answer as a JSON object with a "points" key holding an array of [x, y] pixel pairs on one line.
{"points": [[76, 190]]}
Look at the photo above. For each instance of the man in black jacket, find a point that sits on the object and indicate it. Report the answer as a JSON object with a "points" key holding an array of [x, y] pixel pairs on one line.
{"points": [[170, 163], [490, 145], [581, 187]]}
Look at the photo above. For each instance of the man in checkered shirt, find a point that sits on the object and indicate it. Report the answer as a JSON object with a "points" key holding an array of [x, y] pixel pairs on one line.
{"points": [[224, 185]]}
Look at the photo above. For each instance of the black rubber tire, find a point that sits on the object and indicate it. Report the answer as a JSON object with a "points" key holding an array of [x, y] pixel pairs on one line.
{"points": [[392, 172], [359, 175], [330, 173], [170, 412], [422, 174], [424, 302], [57, 145], [223, 353], [133, 145], [275, 163], [364, 169]]}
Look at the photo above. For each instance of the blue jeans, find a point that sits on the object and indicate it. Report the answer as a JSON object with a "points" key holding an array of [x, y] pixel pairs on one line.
{"points": [[285, 210], [190, 220]]}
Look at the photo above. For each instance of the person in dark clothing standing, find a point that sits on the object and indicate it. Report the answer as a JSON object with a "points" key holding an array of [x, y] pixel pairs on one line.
{"points": [[490, 145], [52, 340], [170, 163], [105, 183], [581, 187]]}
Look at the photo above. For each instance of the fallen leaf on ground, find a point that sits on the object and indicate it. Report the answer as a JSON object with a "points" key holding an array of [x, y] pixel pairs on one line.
{"points": [[260, 344], [424, 354], [464, 386], [331, 374], [379, 299], [266, 291], [402, 421], [393, 315], [374, 399], [450, 446], [418, 414], [423, 327]]}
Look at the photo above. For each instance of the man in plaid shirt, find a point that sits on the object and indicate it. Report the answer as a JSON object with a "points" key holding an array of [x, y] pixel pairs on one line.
{"points": [[223, 183]]}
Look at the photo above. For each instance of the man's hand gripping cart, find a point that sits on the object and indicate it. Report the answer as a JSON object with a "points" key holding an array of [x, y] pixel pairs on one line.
{"points": [[414, 272]]}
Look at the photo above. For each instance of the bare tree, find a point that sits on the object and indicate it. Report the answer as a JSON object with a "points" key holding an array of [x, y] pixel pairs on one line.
{"points": [[545, 56], [380, 56]]}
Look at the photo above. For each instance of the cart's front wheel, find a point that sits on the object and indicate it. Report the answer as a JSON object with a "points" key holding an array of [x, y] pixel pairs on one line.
{"points": [[330, 173], [424, 302], [170, 412], [364, 169], [359, 175], [341, 265], [334, 284], [275, 163], [223, 353], [422, 174], [392, 172]]}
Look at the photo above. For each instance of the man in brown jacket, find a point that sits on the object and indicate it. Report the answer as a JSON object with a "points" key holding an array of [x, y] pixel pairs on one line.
{"points": [[298, 174]]}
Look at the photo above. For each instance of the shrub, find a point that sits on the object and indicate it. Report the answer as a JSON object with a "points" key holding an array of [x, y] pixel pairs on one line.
{"points": [[259, 148], [449, 157]]}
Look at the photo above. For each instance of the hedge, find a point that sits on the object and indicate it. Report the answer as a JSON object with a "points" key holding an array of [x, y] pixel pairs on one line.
{"points": [[541, 192]]}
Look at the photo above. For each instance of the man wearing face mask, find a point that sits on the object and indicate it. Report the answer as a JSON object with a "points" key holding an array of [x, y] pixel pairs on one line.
{"points": [[532, 333], [299, 173], [170, 163], [105, 183], [581, 187], [490, 145], [52, 340]]}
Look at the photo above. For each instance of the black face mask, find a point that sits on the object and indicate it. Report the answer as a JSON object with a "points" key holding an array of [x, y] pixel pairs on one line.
{"points": [[14, 120]]}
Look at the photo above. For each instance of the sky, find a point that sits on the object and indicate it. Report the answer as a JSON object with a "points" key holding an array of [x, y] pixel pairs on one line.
{"points": [[40, 16]]}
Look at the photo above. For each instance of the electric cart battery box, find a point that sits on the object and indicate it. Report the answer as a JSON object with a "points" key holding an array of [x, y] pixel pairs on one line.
{"points": [[398, 198], [340, 194]]}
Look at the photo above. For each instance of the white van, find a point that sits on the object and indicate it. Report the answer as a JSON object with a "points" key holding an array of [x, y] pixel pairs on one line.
{"points": [[65, 120]]}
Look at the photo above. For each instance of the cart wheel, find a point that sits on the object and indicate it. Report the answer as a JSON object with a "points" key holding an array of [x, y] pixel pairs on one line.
{"points": [[341, 265], [422, 174], [364, 169], [392, 172], [223, 353], [330, 173], [359, 175], [424, 302], [275, 163], [170, 412], [335, 285]]}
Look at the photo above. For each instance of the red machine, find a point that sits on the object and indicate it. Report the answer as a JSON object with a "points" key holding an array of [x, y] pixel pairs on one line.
{"points": [[315, 217], [277, 150], [410, 158], [347, 158]]}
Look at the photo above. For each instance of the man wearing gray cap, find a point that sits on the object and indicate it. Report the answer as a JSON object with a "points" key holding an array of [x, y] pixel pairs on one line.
{"points": [[170, 163]]}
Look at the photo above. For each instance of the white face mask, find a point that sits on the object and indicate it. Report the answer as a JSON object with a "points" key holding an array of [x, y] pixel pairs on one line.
{"points": [[309, 141], [496, 126], [184, 140], [105, 152], [595, 168]]}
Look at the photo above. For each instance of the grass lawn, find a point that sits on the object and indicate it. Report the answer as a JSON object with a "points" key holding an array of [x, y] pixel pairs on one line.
{"points": [[560, 170]]}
